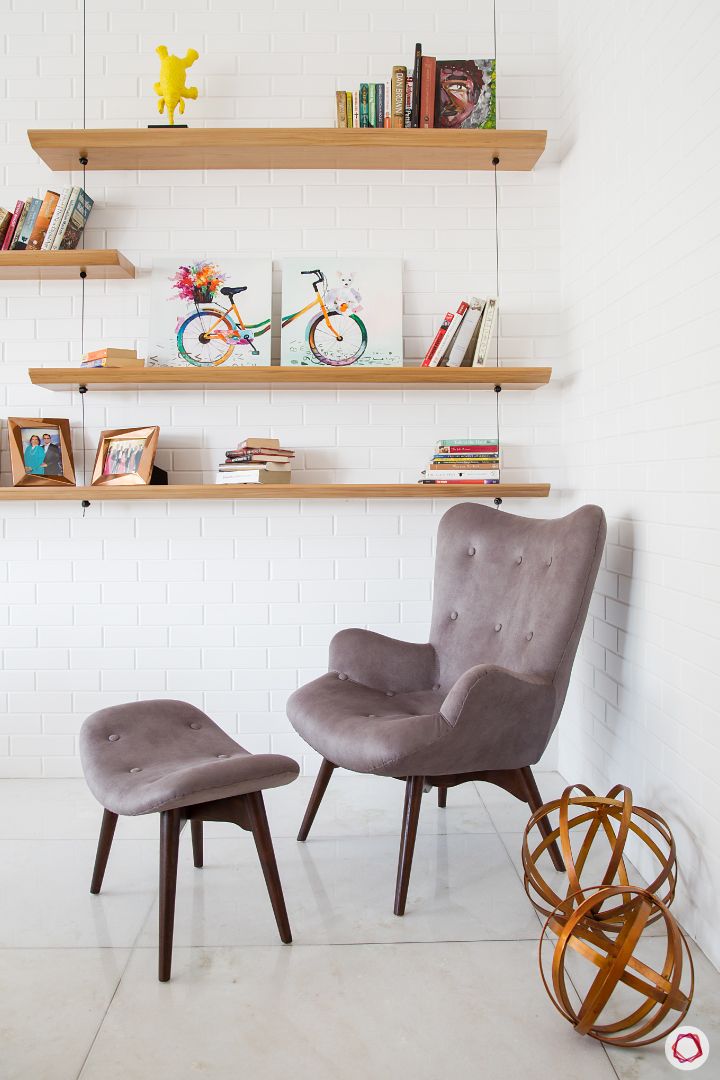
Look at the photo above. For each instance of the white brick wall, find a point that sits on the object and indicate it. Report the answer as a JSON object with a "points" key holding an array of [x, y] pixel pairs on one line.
{"points": [[641, 252], [232, 606]]}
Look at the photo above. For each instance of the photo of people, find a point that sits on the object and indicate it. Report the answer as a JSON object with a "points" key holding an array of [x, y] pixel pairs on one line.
{"points": [[42, 455], [122, 456]]}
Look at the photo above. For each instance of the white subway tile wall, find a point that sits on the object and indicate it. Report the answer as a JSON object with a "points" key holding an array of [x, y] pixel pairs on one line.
{"points": [[641, 252], [231, 606]]}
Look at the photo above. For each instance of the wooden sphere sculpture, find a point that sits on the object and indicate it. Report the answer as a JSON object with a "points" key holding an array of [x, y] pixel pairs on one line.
{"points": [[596, 820], [612, 952]]}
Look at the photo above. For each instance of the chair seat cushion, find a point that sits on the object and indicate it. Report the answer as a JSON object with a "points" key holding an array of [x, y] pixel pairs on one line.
{"points": [[367, 730], [148, 756]]}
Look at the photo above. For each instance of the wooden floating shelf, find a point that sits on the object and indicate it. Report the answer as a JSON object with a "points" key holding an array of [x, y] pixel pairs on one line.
{"points": [[43, 265], [288, 148], [144, 493], [191, 378]]}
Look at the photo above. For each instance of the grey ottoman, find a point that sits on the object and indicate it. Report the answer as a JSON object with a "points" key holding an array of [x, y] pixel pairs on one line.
{"points": [[169, 758]]}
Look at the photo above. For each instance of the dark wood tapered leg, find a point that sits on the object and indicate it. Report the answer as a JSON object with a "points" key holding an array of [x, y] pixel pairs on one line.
{"points": [[535, 802], [263, 843], [323, 779], [107, 831], [169, 840], [442, 797], [413, 798], [196, 830]]}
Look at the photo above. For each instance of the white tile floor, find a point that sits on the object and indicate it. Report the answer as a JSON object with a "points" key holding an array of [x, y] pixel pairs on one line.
{"points": [[451, 990]]}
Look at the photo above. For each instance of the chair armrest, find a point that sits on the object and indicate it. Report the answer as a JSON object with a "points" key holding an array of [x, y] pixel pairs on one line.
{"points": [[507, 714], [381, 662]]}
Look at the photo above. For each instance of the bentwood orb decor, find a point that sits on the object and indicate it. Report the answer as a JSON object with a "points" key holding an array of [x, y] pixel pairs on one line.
{"points": [[630, 1000], [599, 824]]}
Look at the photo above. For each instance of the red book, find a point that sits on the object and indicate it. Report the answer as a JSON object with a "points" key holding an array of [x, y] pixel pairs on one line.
{"points": [[473, 481], [13, 224], [442, 331], [427, 92]]}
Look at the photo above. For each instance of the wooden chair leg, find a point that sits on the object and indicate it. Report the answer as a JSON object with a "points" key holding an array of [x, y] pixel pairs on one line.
{"points": [[263, 843], [196, 830], [321, 783], [169, 841], [107, 831], [411, 813], [535, 802], [442, 797]]}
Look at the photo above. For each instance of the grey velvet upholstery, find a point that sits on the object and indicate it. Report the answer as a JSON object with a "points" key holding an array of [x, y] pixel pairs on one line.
{"points": [[150, 756], [510, 601]]}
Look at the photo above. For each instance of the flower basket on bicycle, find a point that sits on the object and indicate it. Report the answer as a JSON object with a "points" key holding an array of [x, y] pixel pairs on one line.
{"points": [[203, 295], [198, 282]]}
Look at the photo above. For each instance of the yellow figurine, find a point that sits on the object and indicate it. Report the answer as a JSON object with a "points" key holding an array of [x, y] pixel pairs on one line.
{"points": [[172, 89]]}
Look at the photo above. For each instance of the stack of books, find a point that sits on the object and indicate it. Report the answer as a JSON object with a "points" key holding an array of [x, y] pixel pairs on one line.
{"points": [[53, 223], [107, 357], [463, 337], [431, 93], [256, 461], [464, 461]]}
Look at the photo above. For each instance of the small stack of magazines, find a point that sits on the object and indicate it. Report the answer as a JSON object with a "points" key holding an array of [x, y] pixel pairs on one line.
{"points": [[464, 461], [256, 461]]}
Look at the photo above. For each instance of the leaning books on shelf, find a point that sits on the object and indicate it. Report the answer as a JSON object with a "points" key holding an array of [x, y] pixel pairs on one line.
{"points": [[426, 94], [256, 460], [53, 222], [463, 337], [464, 461]]}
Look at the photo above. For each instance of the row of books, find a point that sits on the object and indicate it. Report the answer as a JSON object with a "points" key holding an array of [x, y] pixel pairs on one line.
{"points": [[256, 461], [53, 223], [463, 337], [112, 358], [464, 461], [436, 93]]}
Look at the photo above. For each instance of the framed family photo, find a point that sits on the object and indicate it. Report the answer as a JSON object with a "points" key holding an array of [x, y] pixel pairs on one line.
{"points": [[125, 456], [40, 452]]}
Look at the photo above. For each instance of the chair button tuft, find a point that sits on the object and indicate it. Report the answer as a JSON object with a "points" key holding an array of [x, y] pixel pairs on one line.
{"points": [[223, 756], [549, 562], [389, 693], [195, 726], [498, 626], [371, 716], [471, 551], [436, 686], [113, 738], [453, 615], [518, 560], [528, 636], [135, 768], [342, 676]]}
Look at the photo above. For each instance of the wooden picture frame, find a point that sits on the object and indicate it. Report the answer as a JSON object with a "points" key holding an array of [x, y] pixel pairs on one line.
{"points": [[121, 461], [22, 445]]}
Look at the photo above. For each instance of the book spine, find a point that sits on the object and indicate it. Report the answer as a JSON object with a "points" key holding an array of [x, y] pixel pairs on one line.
{"points": [[427, 93], [388, 105], [435, 344], [417, 76], [76, 222], [380, 104], [64, 221], [15, 244], [399, 75], [5, 219], [488, 440], [408, 101], [463, 481], [42, 222], [356, 109], [372, 105], [486, 477], [364, 105], [348, 109], [341, 108], [463, 308], [486, 330], [13, 225], [25, 230], [56, 219]]}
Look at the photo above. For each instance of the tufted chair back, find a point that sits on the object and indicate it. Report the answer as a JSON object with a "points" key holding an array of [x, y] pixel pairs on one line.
{"points": [[513, 591]]}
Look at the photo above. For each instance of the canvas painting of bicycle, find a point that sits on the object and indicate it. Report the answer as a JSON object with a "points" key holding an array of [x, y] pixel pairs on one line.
{"points": [[339, 312], [211, 312]]}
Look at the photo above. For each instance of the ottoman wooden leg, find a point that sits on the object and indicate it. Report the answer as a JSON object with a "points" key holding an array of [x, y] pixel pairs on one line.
{"points": [[263, 842], [107, 831], [169, 841], [196, 829]]}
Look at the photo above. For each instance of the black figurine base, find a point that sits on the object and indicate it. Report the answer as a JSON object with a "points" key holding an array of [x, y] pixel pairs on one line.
{"points": [[167, 127]]}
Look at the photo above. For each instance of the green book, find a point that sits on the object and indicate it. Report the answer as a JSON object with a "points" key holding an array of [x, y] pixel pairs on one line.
{"points": [[364, 105], [372, 106]]}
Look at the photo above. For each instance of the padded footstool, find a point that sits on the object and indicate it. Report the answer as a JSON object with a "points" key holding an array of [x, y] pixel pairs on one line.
{"points": [[169, 758]]}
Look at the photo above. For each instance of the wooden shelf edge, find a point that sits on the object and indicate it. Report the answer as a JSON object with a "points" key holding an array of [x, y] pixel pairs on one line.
{"points": [[98, 264], [142, 493], [484, 378], [288, 148]]}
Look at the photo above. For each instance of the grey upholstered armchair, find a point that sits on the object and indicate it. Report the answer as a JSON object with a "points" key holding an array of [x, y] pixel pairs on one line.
{"points": [[481, 699]]}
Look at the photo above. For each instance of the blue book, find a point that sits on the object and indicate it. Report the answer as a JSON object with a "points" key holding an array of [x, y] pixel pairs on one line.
{"points": [[364, 105], [380, 104], [27, 224]]}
